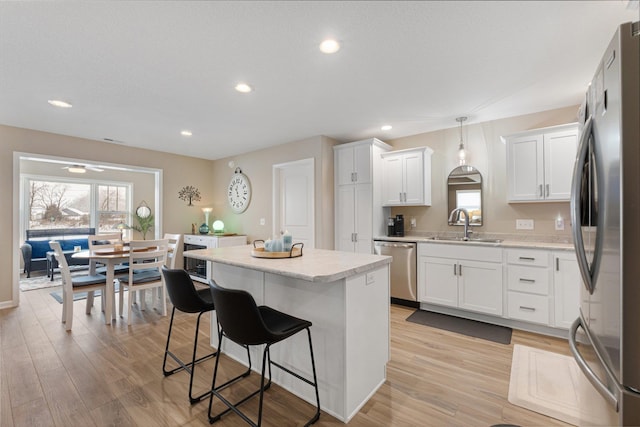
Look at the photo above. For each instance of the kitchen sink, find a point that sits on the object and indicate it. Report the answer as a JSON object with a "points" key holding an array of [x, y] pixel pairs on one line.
{"points": [[470, 240]]}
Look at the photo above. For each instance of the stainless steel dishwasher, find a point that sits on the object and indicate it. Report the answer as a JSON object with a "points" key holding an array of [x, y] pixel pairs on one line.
{"points": [[404, 284]]}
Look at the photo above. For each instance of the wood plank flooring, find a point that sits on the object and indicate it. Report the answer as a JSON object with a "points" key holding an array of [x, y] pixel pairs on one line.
{"points": [[99, 375]]}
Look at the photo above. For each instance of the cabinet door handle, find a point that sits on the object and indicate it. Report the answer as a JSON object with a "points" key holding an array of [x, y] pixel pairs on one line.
{"points": [[455, 273], [355, 177], [460, 269], [523, 307], [526, 258], [540, 188], [547, 188], [527, 280], [405, 197], [557, 264]]}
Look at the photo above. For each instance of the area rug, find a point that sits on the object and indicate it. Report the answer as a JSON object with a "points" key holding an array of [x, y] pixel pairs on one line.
{"points": [[57, 295], [546, 383], [42, 281], [472, 328]]}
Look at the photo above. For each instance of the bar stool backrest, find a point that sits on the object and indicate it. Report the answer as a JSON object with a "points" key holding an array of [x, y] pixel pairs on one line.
{"points": [[182, 292], [239, 316]]}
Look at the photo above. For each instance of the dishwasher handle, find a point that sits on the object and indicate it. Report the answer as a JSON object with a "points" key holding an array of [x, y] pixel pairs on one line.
{"points": [[395, 245]]}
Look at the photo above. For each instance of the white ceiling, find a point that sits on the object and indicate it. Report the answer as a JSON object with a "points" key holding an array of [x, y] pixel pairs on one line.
{"points": [[140, 72]]}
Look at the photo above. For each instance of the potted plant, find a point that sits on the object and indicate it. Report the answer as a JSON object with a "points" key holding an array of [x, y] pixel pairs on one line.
{"points": [[144, 224]]}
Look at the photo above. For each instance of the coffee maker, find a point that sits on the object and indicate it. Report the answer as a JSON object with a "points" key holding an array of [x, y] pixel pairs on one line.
{"points": [[398, 226]]}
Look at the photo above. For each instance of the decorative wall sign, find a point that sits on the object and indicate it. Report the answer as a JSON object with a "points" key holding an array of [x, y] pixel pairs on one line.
{"points": [[189, 194]]}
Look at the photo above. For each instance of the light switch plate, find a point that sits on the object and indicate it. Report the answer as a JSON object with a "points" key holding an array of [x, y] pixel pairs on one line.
{"points": [[524, 224], [559, 224], [262, 221]]}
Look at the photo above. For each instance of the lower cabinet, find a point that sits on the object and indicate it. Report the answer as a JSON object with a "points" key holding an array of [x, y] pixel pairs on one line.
{"points": [[468, 281], [566, 293], [528, 284], [540, 287]]}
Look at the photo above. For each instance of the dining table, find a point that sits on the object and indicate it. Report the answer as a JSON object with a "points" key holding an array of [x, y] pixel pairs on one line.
{"points": [[110, 257]]}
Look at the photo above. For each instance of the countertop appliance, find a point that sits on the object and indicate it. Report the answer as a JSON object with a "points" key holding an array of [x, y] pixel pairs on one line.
{"points": [[605, 204], [404, 283]]}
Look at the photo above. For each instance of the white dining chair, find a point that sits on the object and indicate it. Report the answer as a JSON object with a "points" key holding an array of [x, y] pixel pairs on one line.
{"points": [[174, 252], [146, 258], [72, 285]]}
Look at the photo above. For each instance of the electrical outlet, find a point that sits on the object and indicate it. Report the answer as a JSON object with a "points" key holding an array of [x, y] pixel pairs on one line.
{"points": [[524, 224], [559, 224], [262, 221], [413, 223]]}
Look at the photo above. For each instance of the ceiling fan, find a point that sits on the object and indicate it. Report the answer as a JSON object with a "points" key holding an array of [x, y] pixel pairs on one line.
{"points": [[82, 168]]}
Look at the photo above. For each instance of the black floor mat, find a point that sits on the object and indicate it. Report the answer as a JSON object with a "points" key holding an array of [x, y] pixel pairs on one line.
{"points": [[472, 328]]}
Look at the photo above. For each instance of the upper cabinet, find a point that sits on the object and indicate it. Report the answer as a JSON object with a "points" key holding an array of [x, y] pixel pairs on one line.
{"points": [[540, 164], [354, 163], [406, 177]]}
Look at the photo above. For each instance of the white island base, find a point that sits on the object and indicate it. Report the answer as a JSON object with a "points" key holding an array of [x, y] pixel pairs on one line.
{"points": [[350, 316]]}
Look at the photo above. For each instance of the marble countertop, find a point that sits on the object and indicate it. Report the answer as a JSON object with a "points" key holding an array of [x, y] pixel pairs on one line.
{"points": [[506, 240], [315, 265]]}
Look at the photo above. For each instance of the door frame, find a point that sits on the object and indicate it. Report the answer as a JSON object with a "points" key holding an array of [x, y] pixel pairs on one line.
{"points": [[18, 206], [276, 196]]}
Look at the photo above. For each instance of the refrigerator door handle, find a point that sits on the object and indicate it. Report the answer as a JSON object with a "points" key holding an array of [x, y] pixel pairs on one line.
{"points": [[576, 186], [586, 369]]}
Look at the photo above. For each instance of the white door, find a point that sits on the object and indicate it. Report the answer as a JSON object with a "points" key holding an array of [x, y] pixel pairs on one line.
{"points": [[480, 286], [293, 201]]}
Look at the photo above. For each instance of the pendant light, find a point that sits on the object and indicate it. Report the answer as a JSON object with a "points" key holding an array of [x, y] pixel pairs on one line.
{"points": [[462, 153]]}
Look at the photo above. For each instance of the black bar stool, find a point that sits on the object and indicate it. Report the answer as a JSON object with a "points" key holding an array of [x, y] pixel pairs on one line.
{"points": [[244, 323], [186, 298]]}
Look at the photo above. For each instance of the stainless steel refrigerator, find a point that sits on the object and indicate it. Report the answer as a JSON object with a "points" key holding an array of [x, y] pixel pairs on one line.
{"points": [[605, 216]]}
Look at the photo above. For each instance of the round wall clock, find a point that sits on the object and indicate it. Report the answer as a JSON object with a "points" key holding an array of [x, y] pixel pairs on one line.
{"points": [[239, 192]]}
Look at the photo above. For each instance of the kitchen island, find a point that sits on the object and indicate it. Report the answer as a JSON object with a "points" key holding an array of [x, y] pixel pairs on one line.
{"points": [[345, 295]]}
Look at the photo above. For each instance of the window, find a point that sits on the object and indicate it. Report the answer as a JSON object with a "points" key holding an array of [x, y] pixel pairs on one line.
{"points": [[55, 203], [113, 203]]}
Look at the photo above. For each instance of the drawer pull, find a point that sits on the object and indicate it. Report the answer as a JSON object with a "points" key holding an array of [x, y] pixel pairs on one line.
{"points": [[526, 258], [522, 307], [527, 280]]}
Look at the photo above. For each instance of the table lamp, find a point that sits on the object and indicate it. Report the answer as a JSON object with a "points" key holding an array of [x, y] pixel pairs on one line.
{"points": [[204, 228], [218, 226]]}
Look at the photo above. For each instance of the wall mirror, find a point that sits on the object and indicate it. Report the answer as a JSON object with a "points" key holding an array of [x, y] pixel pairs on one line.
{"points": [[464, 190]]}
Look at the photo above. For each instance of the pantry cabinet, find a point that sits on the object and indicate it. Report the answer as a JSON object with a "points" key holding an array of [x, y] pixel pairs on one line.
{"points": [[540, 164], [358, 177], [469, 278], [406, 177]]}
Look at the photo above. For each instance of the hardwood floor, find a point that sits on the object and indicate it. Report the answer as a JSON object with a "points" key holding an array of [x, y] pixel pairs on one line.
{"points": [[98, 375]]}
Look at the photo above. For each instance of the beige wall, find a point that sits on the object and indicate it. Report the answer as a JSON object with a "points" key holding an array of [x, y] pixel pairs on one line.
{"points": [[258, 166], [178, 171], [488, 154]]}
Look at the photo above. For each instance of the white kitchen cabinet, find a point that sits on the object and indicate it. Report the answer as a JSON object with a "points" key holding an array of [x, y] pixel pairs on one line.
{"points": [[464, 277], [358, 178], [566, 289], [540, 164], [406, 177], [528, 285]]}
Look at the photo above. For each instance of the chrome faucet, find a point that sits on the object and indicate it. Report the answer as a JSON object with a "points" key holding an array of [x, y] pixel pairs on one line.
{"points": [[466, 220]]}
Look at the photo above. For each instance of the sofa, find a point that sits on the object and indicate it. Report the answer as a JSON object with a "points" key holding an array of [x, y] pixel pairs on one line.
{"points": [[36, 247]]}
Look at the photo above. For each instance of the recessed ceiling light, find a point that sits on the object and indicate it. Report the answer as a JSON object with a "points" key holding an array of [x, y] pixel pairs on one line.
{"points": [[386, 127], [58, 103], [243, 87], [329, 46], [186, 133]]}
